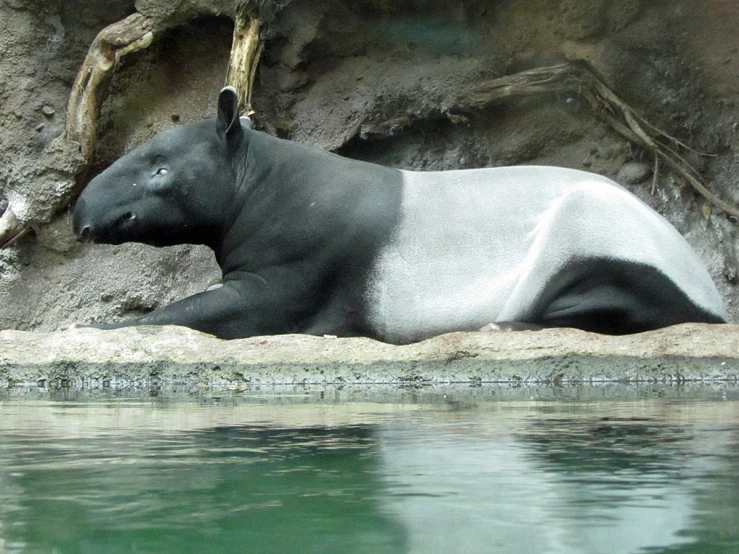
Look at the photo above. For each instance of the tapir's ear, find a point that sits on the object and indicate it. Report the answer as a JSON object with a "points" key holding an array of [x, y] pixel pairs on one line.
{"points": [[228, 124]]}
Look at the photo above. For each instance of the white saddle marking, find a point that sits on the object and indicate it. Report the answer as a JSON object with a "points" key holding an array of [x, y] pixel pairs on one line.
{"points": [[475, 246]]}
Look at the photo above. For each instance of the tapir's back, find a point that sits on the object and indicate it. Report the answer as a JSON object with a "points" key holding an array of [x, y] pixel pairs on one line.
{"points": [[476, 246]]}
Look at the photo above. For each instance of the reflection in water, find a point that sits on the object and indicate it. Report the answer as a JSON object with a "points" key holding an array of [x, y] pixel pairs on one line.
{"points": [[269, 475], [275, 490], [553, 485]]}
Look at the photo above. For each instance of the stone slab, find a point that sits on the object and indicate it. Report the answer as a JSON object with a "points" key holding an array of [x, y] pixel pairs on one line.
{"points": [[146, 356]]}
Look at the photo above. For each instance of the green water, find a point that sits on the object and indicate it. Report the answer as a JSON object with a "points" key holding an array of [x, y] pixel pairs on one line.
{"points": [[480, 470]]}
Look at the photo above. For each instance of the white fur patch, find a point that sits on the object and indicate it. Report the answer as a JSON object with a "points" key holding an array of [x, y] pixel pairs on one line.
{"points": [[476, 246]]}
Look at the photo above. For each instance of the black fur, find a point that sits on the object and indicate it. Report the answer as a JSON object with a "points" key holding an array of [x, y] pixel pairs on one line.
{"points": [[294, 229]]}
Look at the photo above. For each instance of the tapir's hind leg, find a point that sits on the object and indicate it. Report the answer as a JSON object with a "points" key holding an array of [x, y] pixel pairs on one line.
{"points": [[614, 297]]}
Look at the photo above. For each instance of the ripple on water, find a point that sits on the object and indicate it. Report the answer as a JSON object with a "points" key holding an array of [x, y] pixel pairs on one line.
{"points": [[451, 475]]}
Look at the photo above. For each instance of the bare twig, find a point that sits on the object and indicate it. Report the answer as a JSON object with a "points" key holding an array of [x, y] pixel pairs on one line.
{"points": [[609, 107], [580, 79], [655, 175]]}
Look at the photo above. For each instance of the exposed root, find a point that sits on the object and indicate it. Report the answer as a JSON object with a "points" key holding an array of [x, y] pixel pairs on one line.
{"points": [[615, 111], [581, 79]]}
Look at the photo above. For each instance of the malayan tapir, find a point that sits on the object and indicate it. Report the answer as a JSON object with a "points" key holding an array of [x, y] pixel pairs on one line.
{"points": [[311, 242]]}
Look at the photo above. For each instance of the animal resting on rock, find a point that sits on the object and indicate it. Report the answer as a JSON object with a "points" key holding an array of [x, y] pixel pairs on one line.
{"points": [[310, 242]]}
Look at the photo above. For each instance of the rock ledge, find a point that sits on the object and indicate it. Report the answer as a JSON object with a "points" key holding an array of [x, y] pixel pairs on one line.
{"points": [[145, 356]]}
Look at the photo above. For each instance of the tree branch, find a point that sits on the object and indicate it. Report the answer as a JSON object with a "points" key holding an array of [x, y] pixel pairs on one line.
{"points": [[246, 50], [578, 78]]}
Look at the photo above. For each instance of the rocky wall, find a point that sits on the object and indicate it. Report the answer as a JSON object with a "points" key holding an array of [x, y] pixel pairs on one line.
{"points": [[330, 70]]}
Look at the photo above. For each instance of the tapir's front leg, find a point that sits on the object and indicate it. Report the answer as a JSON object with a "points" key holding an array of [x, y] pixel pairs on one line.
{"points": [[227, 312]]}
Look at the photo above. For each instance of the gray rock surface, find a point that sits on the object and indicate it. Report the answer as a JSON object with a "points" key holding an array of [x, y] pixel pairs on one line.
{"points": [[329, 66], [145, 356]]}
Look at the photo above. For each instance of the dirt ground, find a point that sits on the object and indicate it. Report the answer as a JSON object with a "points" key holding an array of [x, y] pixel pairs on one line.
{"points": [[331, 69]]}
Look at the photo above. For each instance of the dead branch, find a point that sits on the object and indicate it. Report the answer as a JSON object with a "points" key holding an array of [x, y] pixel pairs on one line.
{"points": [[616, 112], [88, 93], [246, 50], [90, 88], [91, 85], [580, 79]]}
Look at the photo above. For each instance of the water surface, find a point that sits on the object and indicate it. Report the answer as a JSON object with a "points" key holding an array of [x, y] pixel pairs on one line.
{"points": [[294, 470]]}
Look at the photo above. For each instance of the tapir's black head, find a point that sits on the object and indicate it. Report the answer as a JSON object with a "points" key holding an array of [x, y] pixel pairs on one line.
{"points": [[176, 188]]}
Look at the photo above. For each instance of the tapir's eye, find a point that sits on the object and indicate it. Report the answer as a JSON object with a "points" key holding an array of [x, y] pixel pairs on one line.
{"points": [[161, 172]]}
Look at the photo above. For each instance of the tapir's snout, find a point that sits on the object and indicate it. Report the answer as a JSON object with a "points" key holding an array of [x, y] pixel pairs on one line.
{"points": [[95, 223], [84, 234], [82, 222]]}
